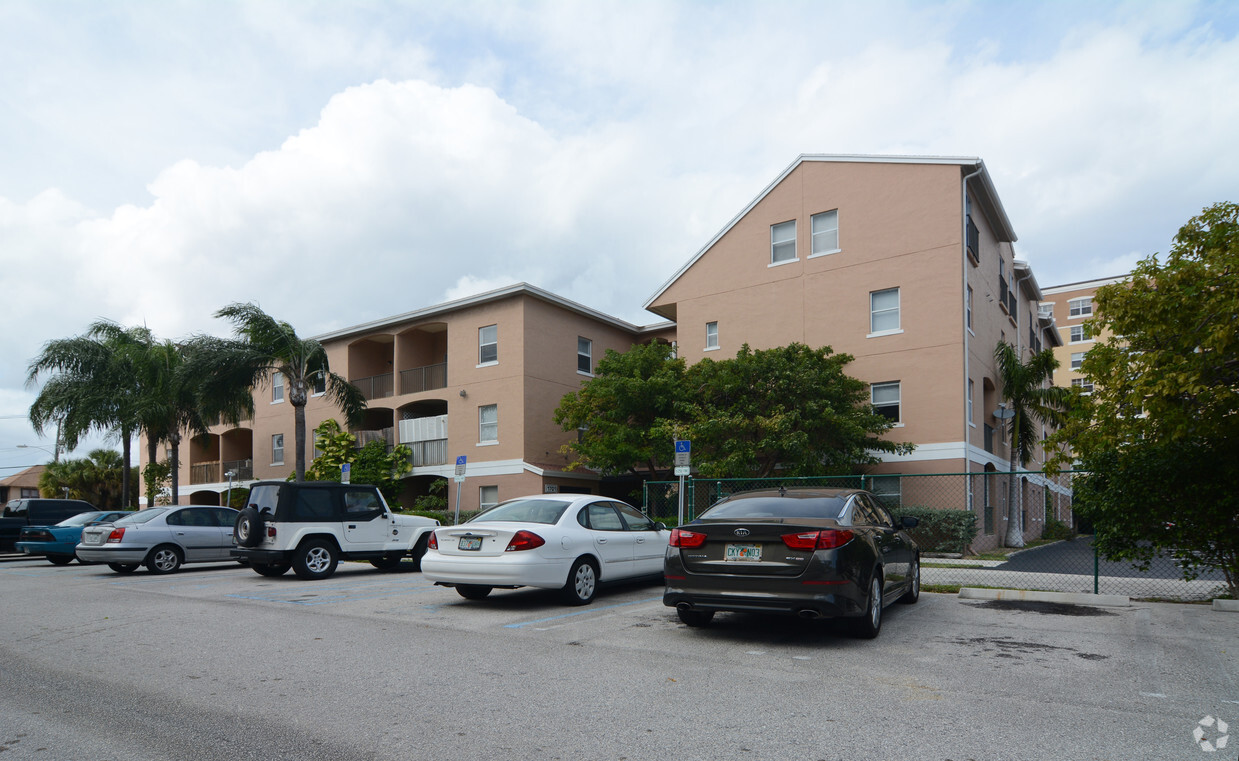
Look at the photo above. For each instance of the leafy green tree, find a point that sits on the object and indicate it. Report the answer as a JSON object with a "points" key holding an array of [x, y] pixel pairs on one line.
{"points": [[1034, 401], [261, 346], [792, 408], [155, 476], [626, 416], [96, 478], [1158, 437], [371, 464]]}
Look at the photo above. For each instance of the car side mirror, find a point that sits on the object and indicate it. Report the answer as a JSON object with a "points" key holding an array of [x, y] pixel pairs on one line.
{"points": [[909, 522]]}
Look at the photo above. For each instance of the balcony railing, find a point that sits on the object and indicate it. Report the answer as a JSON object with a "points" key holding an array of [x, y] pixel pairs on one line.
{"points": [[382, 434], [213, 472], [425, 378], [375, 387], [204, 473], [244, 469], [432, 452], [974, 240]]}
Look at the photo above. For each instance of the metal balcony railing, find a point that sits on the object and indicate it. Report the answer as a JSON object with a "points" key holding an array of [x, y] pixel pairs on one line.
{"points": [[375, 386], [426, 378], [432, 452], [244, 469]]}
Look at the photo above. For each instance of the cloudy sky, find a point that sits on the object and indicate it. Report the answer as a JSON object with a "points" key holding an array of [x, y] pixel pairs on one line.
{"points": [[161, 159]]}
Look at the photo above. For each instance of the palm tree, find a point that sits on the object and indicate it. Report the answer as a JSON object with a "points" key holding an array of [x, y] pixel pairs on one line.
{"points": [[262, 346], [1032, 400]]}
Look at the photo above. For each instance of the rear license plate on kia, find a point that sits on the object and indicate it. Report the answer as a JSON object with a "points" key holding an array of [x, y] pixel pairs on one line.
{"points": [[745, 553], [473, 543]]}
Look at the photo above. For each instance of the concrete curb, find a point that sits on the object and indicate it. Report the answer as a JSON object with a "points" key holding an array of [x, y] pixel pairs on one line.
{"points": [[1066, 598], [1229, 606]]}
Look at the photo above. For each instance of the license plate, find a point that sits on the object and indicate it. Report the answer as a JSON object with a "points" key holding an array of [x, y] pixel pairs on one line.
{"points": [[745, 553], [472, 543]]}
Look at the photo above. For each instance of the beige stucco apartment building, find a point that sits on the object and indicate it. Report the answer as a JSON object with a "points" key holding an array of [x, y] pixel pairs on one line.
{"points": [[906, 263], [1071, 305]]}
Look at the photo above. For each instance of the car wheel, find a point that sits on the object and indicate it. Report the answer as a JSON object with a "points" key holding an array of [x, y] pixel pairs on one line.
{"points": [[868, 625], [271, 569], [123, 567], [59, 559], [582, 583], [389, 562], [472, 591], [419, 551], [163, 559], [695, 618], [315, 559], [914, 589], [247, 531]]}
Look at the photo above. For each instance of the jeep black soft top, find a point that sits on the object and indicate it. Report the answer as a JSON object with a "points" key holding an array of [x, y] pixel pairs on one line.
{"points": [[315, 501]]}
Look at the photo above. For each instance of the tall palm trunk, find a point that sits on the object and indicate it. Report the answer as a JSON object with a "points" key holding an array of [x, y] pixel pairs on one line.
{"points": [[174, 465], [1015, 528], [298, 396], [126, 487]]}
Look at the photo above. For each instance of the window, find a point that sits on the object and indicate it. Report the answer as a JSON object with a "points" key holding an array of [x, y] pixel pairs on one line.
{"points": [[887, 490], [277, 449], [1077, 359], [1083, 384], [885, 399], [968, 309], [584, 356], [825, 231], [277, 387], [488, 345], [488, 496], [1079, 333], [318, 383], [884, 311], [1081, 307], [783, 242], [711, 335], [970, 402], [488, 424]]}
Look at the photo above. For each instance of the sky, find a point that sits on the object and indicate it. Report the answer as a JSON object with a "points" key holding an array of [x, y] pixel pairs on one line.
{"points": [[159, 160]]}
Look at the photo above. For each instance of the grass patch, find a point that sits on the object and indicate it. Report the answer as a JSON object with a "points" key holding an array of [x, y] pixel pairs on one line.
{"points": [[946, 589], [968, 566]]}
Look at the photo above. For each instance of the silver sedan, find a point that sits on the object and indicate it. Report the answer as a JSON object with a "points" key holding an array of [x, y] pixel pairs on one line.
{"points": [[161, 538]]}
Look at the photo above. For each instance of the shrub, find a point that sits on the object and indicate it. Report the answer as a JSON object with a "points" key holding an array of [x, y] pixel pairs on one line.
{"points": [[940, 530], [1056, 530]]}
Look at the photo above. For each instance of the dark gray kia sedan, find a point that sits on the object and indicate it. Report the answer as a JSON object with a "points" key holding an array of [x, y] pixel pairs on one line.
{"points": [[814, 553]]}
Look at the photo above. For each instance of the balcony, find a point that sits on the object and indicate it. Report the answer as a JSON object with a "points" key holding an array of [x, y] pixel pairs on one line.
{"points": [[427, 437], [375, 386], [244, 469], [974, 240], [365, 437], [431, 452], [214, 472], [425, 378]]}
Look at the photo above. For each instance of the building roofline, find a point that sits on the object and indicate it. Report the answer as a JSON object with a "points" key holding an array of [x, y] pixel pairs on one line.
{"points": [[487, 297], [1099, 282], [997, 214]]}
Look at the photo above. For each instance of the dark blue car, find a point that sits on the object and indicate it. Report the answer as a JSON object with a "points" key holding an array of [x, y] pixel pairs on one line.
{"points": [[57, 542]]}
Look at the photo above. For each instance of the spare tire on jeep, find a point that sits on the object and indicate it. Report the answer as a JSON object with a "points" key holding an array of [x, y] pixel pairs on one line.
{"points": [[247, 531]]}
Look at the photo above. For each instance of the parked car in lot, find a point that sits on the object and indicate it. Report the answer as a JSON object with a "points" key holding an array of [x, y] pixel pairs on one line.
{"points": [[815, 553], [568, 542], [36, 511], [161, 538], [58, 543]]}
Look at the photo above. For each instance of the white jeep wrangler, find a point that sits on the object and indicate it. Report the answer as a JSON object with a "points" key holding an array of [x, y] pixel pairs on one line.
{"points": [[313, 525]]}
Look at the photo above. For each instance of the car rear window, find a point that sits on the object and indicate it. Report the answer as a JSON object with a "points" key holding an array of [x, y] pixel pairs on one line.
{"points": [[524, 511], [777, 507], [142, 516], [81, 519]]}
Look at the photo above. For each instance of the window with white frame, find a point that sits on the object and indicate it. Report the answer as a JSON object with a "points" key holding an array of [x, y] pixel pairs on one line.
{"points": [[318, 383], [885, 399], [277, 387], [970, 385], [584, 356], [1081, 307], [488, 345], [783, 242], [968, 309], [1077, 359], [887, 489], [488, 496], [884, 311], [1079, 334], [825, 231], [277, 449], [711, 335], [1084, 384], [488, 424]]}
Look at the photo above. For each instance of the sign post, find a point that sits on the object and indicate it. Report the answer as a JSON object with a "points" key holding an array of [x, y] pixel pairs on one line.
{"points": [[460, 479], [683, 462]]}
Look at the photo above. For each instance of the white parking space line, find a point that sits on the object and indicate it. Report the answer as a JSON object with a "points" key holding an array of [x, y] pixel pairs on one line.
{"points": [[581, 612]]}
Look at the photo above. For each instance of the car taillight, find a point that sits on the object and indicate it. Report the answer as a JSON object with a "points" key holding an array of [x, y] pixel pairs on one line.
{"points": [[827, 539], [684, 538], [270, 531], [433, 542], [116, 535], [524, 540]]}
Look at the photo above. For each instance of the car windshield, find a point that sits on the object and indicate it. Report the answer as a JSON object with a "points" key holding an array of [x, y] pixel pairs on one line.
{"points": [[142, 516], [81, 519], [524, 511], [776, 507]]}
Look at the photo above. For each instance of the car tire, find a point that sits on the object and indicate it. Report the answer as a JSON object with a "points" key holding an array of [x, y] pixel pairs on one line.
{"points": [[472, 591], [419, 551], [271, 569], [387, 563], [695, 618], [582, 583], [123, 567], [315, 559], [59, 559], [164, 559], [914, 590], [247, 531], [868, 625]]}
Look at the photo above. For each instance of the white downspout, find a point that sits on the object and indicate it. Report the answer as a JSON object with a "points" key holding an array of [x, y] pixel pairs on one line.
{"points": [[963, 213]]}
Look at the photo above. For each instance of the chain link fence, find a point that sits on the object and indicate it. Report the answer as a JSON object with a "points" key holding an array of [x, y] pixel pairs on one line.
{"points": [[1058, 557]]}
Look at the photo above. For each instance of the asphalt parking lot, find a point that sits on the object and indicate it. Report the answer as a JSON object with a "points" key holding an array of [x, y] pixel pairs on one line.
{"points": [[378, 666]]}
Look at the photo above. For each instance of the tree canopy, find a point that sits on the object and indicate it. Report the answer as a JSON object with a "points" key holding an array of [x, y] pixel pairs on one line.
{"points": [[95, 478], [371, 464], [1159, 435]]}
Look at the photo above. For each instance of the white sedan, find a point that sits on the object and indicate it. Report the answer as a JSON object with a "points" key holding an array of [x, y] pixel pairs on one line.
{"points": [[569, 542]]}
